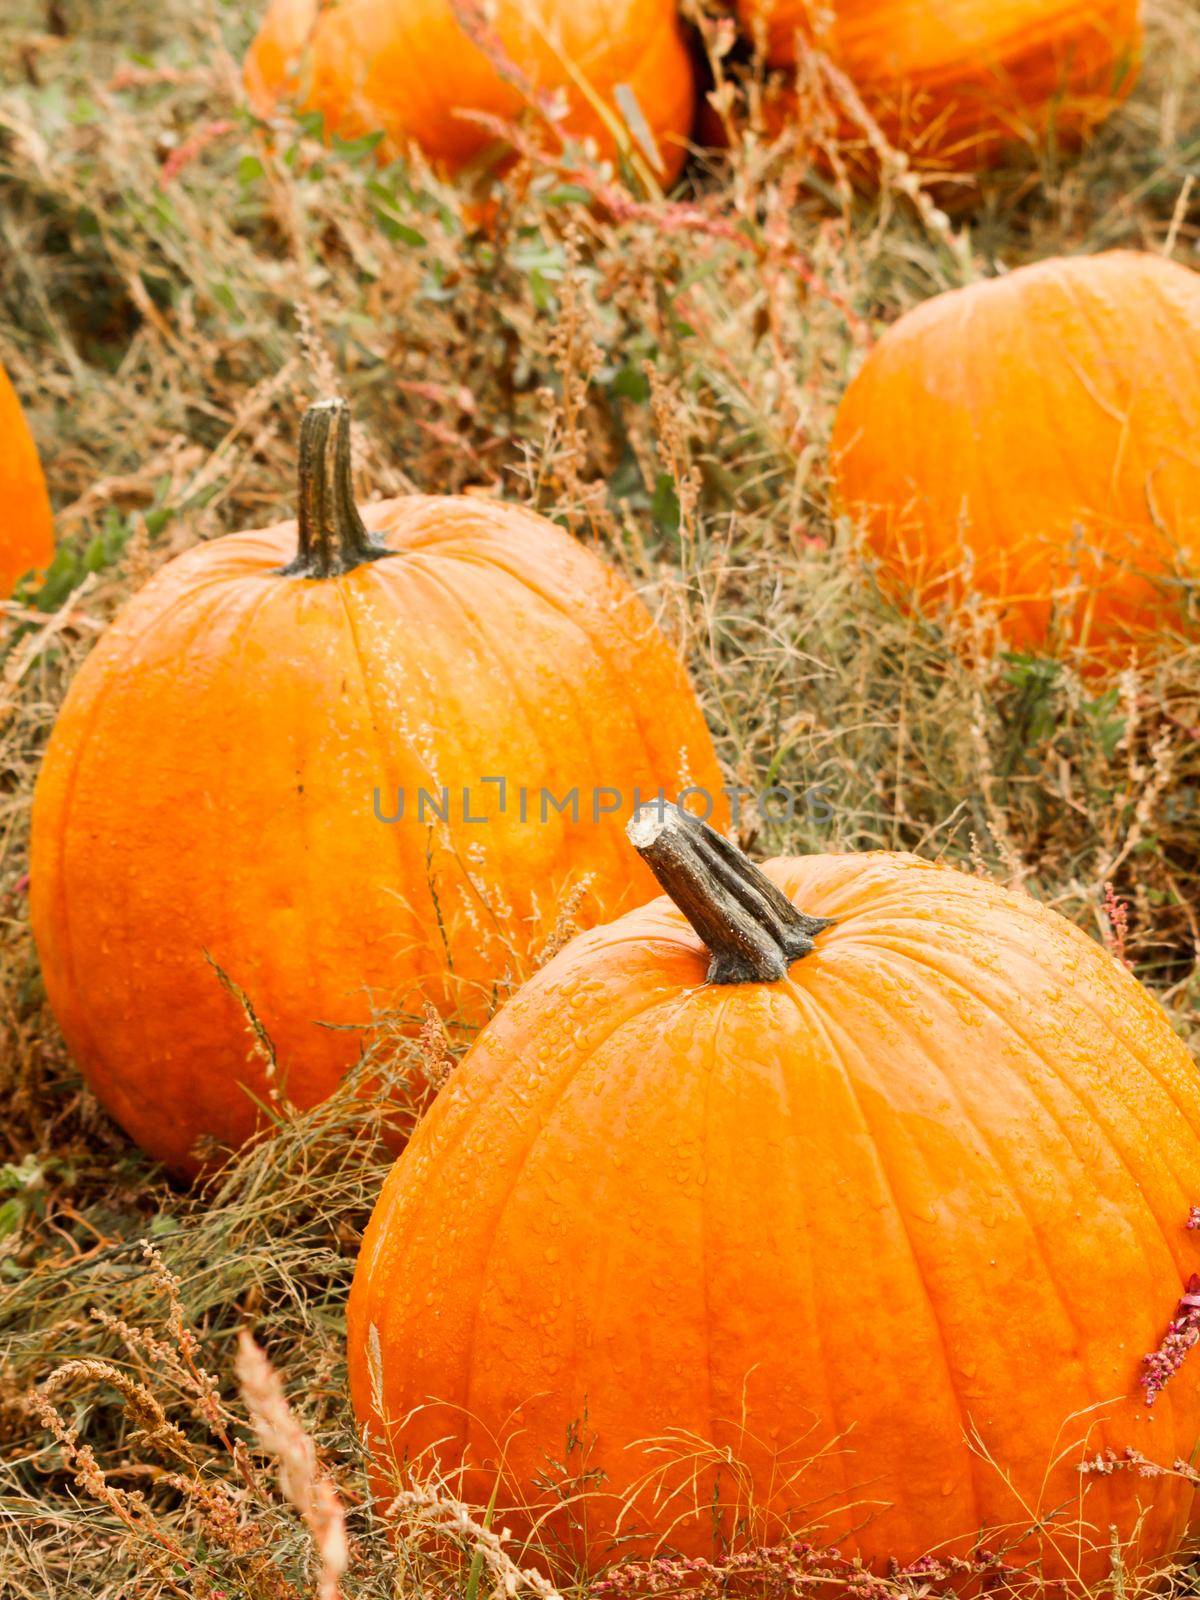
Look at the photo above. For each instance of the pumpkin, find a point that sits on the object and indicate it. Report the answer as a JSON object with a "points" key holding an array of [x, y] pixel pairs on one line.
{"points": [[1032, 438], [956, 83], [336, 762], [419, 69], [853, 1220], [27, 533]]}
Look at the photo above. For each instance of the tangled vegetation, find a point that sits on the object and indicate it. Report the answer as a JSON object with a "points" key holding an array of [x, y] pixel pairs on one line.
{"points": [[177, 281]]}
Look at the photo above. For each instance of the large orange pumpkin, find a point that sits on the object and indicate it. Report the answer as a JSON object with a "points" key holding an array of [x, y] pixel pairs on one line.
{"points": [[1033, 437], [956, 82], [414, 67], [26, 521], [880, 1212], [218, 784]]}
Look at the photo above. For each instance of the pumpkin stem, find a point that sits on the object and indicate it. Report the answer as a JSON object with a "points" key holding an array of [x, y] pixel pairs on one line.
{"points": [[751, 928], [332, 537]]}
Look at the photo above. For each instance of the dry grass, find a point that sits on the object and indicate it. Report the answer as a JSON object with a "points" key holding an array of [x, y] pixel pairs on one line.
{"points": [[661, 377]]}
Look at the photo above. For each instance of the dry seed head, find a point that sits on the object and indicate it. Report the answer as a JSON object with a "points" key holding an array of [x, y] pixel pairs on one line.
{"points": [[437, 1059], [300, 1483], [141, 1406]]}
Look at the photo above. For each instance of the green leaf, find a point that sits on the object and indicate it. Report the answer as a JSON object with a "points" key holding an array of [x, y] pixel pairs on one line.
{"points": [[14, 1178], [312, 124], [664, 507], [568, 194], [543, 295], [632, 383], [398, 232], [12, 1214], [358, 149], [63, 574], [95, 556]]}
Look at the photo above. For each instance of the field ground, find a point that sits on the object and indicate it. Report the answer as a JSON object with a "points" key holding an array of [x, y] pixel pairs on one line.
{"points": [[173, 289]]}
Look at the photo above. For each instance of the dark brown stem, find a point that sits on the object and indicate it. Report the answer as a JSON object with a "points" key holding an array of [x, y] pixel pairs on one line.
{"points": [[332, 537], [751, 928]]}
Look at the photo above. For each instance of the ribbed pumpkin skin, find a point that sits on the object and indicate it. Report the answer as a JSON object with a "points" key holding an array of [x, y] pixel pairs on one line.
{"points": [[27, 526], [934, 1182], [1044, 422], [209, 788], [408, 67], [954, 82]]}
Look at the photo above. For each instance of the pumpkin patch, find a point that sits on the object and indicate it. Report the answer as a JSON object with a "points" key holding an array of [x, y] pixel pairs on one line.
{"points": [[889, 1165], [27, 526], [436, 1161], [958, 84], [439, 74], [1029, 438], [219, 799]]}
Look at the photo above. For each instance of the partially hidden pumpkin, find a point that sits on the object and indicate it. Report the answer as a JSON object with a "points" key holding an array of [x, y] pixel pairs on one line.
{"points": [[340, 770], [855, 1222], [26, 521], [957, 83], [420, 70], [1032, 438]]}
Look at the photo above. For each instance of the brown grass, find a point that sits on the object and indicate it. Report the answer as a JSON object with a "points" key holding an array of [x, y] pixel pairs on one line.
{"points": [[174, 287]]}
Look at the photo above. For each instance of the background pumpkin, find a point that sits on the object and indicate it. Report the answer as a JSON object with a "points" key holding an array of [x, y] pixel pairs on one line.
{"points": [[1042, 426], [881, 1225], [27, 528], [208, 790], [953, 82], [410, 67]]}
